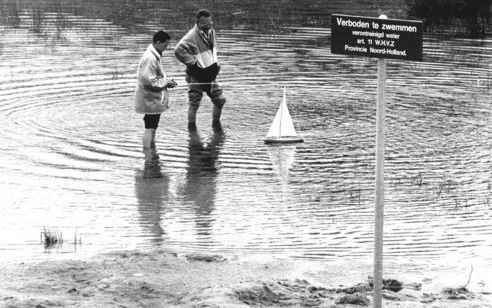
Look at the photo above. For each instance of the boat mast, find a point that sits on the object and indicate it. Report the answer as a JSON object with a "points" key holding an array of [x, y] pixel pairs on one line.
{"points": [[281, 110]]}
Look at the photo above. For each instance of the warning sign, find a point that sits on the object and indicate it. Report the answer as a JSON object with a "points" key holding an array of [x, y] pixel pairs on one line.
{"points": [[376, 37]]}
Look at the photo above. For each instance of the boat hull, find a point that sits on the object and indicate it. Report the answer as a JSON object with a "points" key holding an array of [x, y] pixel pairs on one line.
{"points": [[286, 139]]}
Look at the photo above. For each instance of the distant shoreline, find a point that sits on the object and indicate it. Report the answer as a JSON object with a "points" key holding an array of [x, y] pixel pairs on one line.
{"points": [[247, 14]]}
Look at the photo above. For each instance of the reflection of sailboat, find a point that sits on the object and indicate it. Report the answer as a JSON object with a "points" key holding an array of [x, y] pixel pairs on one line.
{"points": [[282, 158], [282, 129]]}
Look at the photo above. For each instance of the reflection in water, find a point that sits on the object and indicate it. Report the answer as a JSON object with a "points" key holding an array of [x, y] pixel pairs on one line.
{"points": [[152, 191], [202, 171], [437, 150], [282, 158]]}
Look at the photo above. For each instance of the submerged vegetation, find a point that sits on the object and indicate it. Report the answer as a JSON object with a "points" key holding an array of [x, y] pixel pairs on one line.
{"points": [[470, 16]]}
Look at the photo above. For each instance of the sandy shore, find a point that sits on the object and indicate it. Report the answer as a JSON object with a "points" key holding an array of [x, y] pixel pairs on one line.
{"points": [[164, 279]]}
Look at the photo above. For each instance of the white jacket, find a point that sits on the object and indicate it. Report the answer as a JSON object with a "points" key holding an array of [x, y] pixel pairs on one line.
{"points": [[149, 99]]}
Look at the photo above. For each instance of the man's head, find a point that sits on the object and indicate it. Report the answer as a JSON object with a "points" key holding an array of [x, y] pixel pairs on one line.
{"points": [[204, 20], [161, 40]]}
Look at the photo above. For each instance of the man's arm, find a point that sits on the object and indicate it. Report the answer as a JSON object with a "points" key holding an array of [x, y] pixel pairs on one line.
{"points": [[185, 53], [150, 76]]}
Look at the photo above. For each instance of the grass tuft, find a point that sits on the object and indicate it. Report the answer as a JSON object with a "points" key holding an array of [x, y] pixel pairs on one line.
{"points": [[51, 237]]}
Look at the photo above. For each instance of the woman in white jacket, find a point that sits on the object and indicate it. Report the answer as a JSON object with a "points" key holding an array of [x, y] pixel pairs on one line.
{"points": [[151, 96]]}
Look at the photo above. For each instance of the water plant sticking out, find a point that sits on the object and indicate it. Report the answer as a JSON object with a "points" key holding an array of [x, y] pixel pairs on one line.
{"points": [[75, 240], [51, 238]]}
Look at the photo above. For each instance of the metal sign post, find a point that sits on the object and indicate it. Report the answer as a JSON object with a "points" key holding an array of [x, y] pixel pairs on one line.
{"points": [[379, 207], [379, 210], [381, 38]]}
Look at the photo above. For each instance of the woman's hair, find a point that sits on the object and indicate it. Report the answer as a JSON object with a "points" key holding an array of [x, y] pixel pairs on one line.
{"points": [[161, 36]]}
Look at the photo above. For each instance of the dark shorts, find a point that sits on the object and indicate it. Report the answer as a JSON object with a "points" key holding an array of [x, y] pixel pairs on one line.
{"points": [[151, 120]]}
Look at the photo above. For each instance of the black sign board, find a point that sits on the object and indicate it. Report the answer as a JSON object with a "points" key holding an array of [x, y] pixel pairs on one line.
{"points": [[376, 37]]}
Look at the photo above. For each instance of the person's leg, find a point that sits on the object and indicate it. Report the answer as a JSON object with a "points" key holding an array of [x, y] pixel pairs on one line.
{"points": [[192, 109], [216, 113], [152, 138], [150, 155], [147, 138], [218, 100], [216, 125], [151, 123], [195, 95]]}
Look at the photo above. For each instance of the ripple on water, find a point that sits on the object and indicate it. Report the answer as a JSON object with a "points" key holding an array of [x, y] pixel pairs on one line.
{"points": [[71, 150]]}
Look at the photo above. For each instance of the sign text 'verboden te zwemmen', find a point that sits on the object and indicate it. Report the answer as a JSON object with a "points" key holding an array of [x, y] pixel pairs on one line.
{"points": [[376, 37]]}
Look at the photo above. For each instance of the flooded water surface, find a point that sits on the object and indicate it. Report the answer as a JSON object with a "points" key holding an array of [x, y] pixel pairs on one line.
{"points": [[71, 155]]}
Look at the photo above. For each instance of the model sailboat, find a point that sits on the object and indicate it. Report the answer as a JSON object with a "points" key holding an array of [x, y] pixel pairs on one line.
{"points": [[282, 129]]}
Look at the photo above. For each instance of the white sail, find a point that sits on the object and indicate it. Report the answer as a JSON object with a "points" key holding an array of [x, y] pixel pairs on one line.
{"points": [[282, 125]]}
